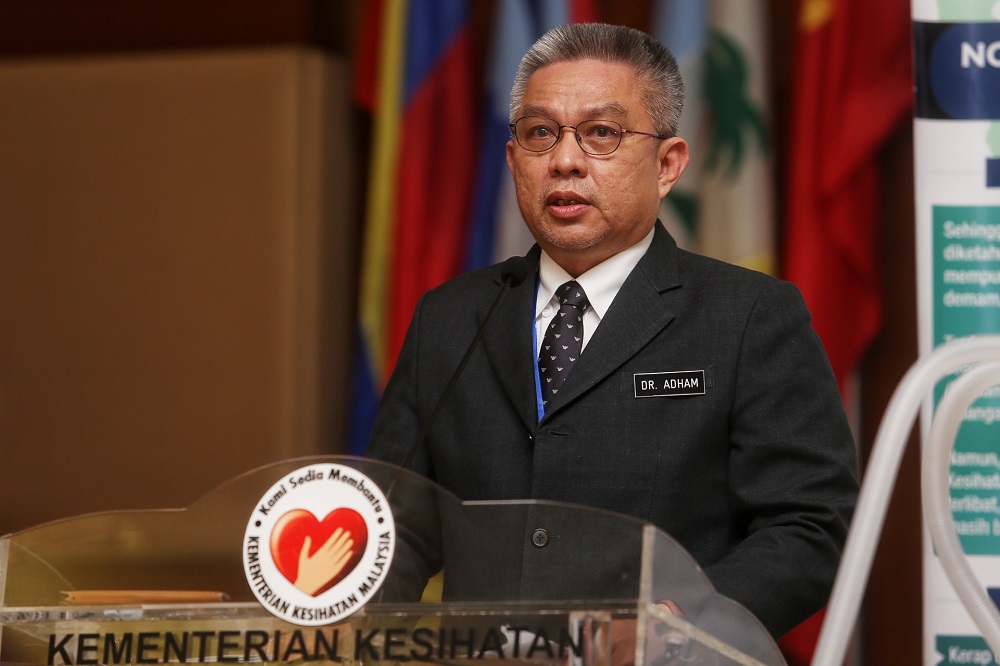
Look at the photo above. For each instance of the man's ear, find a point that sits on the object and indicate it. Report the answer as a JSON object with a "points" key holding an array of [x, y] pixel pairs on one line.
{"points": [[673, 155], [510, 155]]}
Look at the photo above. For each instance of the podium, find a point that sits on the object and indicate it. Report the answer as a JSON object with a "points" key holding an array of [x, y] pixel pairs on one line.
{"points": [[225, 580]]}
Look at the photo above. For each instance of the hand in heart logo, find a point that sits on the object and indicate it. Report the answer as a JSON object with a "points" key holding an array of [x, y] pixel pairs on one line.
{"points": [[316, 555]]}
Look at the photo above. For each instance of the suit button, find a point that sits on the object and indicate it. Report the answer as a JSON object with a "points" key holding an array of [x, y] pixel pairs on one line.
{"points": [[540, 538]]}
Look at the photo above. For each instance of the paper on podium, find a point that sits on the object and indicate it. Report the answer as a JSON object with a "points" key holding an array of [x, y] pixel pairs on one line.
{"points": [[130, 597]]}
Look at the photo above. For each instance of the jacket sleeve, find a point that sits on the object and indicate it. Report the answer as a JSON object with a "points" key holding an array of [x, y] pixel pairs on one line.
{"points": [[414, 500], [793, 472]]}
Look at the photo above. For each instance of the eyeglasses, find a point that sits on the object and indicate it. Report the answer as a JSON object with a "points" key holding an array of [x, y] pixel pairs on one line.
{"points": [[596, 137]]}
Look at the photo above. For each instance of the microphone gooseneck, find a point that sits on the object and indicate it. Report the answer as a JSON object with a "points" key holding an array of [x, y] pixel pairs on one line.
{"points": [[513, 271]]}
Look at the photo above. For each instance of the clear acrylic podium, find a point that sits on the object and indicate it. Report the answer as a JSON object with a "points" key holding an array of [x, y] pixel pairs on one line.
{"points": [[523, 581]]}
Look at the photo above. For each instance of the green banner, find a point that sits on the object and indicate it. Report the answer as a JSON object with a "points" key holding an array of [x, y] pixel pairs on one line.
{"points": [[966, 285], [964, 650]]}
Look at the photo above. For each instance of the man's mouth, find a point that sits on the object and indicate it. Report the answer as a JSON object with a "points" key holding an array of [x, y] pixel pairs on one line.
{"points": [[566, 199]]}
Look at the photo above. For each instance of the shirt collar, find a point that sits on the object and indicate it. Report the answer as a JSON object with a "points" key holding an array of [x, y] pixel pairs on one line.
{"points": [[601, 283]]}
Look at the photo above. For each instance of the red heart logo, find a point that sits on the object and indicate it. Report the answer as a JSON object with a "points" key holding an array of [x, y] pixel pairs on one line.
{"points": [[290, 532]]}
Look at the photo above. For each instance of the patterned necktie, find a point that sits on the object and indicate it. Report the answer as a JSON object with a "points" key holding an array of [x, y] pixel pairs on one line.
{"points": [[563, 339]]}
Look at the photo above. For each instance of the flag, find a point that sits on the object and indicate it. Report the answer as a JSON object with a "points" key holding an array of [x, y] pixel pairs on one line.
{"points": [[737, 184], [682, 26], [852, 88], [497, 230], [723, 206], [415, 74]]}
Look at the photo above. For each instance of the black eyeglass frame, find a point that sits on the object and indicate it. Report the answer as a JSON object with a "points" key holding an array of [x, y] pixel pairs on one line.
{"points": [[621, 133]]}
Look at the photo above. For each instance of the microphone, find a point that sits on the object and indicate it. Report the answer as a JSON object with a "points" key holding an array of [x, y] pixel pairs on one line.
{"points": [[512, 273]]}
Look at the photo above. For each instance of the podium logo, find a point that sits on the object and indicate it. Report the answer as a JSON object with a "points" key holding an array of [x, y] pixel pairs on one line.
{"points": [[296, 540], [318, 544]]}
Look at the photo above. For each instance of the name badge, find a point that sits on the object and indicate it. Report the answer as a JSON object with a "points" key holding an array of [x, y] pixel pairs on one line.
{"points": [[665, 384]]}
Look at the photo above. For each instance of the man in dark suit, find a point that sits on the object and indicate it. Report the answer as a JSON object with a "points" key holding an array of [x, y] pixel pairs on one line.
{"points": [[699, 398]]}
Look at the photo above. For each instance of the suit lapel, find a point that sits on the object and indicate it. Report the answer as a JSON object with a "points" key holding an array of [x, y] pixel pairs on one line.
{"points": [[638, 313], [508, 343]]}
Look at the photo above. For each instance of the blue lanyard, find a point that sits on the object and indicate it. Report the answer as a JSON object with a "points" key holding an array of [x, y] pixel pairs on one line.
{"points": [[534, 345]]}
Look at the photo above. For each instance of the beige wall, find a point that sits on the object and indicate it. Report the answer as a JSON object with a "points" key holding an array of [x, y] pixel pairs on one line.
{"points": [[175, 243]]}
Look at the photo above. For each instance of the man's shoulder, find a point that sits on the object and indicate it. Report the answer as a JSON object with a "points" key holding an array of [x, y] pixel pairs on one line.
{"points": [[669, 265], [466, 288], [477, 279], [719, 285], [700, 269]]}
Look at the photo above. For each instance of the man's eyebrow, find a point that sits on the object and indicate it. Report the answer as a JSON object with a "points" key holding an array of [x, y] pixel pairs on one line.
{"points": [[609, 110], [595, 112], [532, 110]]}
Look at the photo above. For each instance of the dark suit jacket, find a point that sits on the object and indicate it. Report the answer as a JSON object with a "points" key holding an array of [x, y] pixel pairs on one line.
{"points": [[756, 478]]}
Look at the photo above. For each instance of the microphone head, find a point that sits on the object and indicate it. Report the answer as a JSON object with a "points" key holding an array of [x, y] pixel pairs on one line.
{"points": [[514, 270]]}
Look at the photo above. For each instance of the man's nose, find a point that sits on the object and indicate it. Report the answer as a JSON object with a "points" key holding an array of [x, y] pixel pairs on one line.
{"points": [[567, 157]]}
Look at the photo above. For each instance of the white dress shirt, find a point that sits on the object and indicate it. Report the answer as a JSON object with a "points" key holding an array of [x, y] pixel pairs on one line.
{"points": [[601, 284]]}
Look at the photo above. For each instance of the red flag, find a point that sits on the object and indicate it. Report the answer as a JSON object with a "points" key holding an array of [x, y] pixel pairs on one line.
{"points": [[852, 87], [414, 71]]}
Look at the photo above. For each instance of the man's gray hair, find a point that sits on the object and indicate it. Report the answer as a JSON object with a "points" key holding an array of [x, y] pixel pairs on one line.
{"points": [[662, 89]]}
